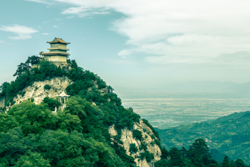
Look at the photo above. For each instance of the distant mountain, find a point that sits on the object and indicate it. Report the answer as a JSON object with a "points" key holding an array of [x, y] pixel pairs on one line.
{"points": [[226, 89], [242, 88], [203, 86], [228, 135]]}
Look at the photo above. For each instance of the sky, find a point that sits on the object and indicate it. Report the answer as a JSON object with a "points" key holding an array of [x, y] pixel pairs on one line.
{"points": [[133, 44]]}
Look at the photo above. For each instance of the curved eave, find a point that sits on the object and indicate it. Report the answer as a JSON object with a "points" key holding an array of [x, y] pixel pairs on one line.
{"points": [[58, 42], [56, 49], [55, 53]]}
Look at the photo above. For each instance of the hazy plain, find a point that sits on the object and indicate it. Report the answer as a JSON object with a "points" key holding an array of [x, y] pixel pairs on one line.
{"points": [[177, 108]]}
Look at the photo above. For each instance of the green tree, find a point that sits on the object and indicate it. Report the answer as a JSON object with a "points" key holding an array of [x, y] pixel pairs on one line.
{"points": [[3, 88], [73, 149], [33, 118], [69, 122], [164, 153], [239, 163], [225, 162], [232, 164], [13, 146], [21, 68], [199, 153], [175, 156], [76, 106], [137, 134], [52, 103], [33, 60], [7, 122], [133, 148], [32, 160], [162, 163]]}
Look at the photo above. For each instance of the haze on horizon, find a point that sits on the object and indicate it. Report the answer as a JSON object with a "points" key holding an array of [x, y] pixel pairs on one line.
{"points": [[133, 44]]}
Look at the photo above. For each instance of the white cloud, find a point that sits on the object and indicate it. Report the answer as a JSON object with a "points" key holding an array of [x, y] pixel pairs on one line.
{"points": [[1, 41], [22, 32], [125, 53], [190, 31], [82, 11], [40, 1], [185, 31], [55, 26], [90, 4]]}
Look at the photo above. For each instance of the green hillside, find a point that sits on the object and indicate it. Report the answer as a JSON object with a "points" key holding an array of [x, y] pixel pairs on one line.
{"points": [[229, 135], [31, 135], [93, 129]]}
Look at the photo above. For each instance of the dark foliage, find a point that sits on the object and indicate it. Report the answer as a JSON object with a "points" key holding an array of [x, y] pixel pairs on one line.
{"points": [[133, 148], [149, 156], [52, 103], [149, 125], [47, 87]]}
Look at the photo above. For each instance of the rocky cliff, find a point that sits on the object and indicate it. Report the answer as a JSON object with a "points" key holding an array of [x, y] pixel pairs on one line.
{"points": [[147, 139], [38, 92], [57, 85]]}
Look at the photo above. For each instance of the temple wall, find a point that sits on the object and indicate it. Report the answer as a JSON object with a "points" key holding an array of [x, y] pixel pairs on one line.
{"points": [[56, 45], [61, 59], [58, 58]]}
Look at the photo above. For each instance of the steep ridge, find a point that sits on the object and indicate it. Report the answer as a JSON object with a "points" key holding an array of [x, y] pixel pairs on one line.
{"points": [[103, 117]]}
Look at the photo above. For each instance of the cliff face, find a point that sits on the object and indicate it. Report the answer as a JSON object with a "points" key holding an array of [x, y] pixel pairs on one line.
{"points": [[57, 85], [38, 92], [127, 138]]}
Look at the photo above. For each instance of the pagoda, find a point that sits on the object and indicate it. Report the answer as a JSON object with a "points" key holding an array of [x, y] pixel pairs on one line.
{"points": [[57, 52]]}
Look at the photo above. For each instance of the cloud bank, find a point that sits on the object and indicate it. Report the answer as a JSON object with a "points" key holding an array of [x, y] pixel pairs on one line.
{"points": [[22, 32], [191, 31]]}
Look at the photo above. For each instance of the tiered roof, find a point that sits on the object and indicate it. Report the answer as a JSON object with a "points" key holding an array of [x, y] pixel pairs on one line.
{"points": [[58, 40]]}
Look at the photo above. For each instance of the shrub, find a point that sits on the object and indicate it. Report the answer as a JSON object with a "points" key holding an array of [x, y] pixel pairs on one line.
{"points": [[137, 134], [31, 99], [149, 156], [133, 148], [52, 103], [143, 146], [158, 143], [47, 87]]}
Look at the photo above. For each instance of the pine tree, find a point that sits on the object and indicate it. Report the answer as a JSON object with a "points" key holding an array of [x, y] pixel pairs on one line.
{"points": [[225, 162]]}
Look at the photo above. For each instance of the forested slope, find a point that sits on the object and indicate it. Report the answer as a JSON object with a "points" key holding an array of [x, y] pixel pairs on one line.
{"points": [[229, 135], [93, 128], [32, 133]]}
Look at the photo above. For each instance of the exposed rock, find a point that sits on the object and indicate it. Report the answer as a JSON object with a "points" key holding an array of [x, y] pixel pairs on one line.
{"points": [[38, 93], [59, 84], [147, 134], [112, 130]]}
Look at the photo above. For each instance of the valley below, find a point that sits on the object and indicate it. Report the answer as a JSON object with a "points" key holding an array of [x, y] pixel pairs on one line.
{"points": [[222, 120], [183, 108]]}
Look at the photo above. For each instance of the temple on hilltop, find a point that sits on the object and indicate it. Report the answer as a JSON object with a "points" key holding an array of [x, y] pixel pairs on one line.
{"points": [[57, 52]]}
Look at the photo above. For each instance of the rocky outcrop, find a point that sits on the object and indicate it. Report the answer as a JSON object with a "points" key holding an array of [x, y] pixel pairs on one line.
{"points": [[38, 92], [148, 138]]}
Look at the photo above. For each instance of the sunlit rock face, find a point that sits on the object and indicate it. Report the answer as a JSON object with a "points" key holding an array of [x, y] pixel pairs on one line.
{"points": [[127, 139], [38, 92]]}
